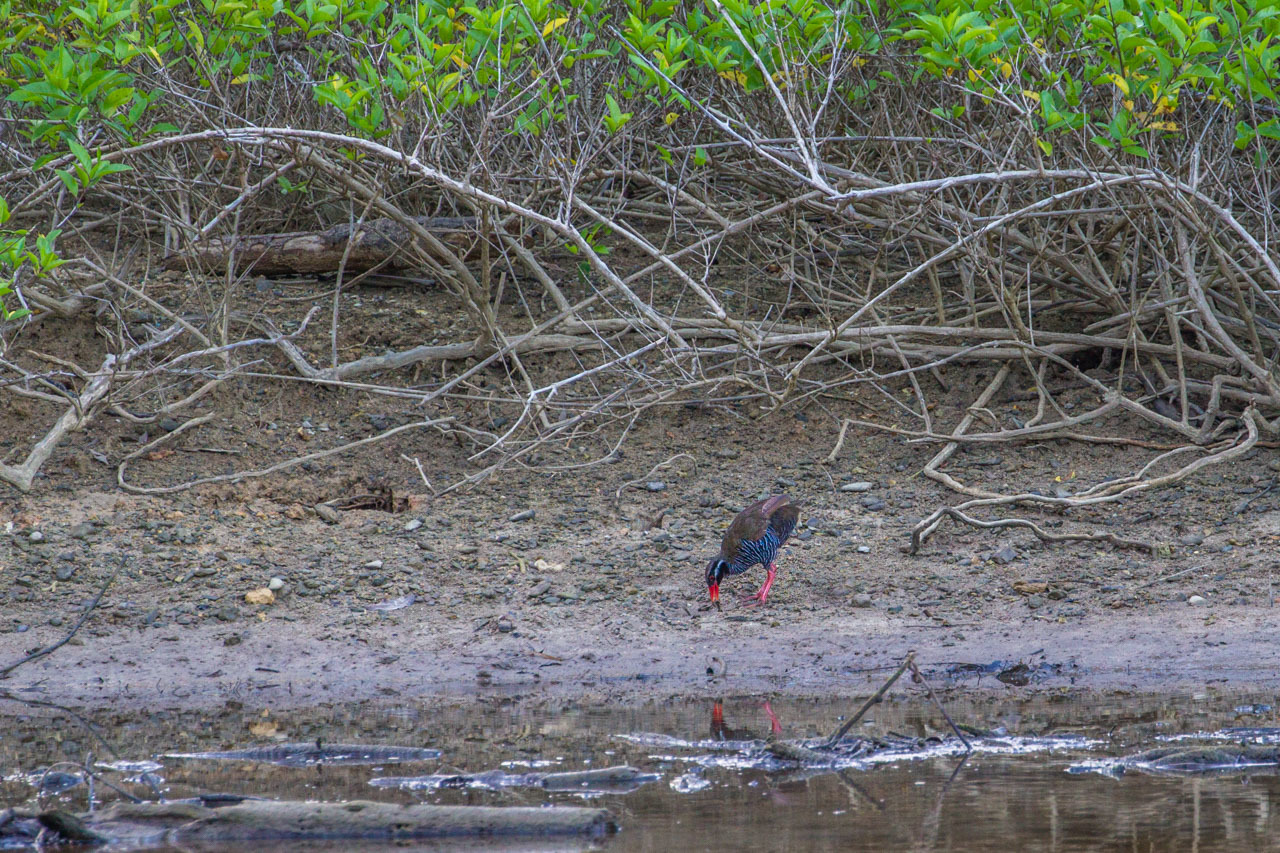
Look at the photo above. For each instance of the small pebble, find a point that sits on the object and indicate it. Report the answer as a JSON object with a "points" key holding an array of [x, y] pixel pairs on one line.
{"points": [[1191, 540], [873, 504], [412, 524], [655, 485], [275, 584], [373, 564], [35, 536], [864, 549], [1005, 555], [524, 515], [861, 599], [327, 514], [83, 530], [1197, 600], [857, 487]]}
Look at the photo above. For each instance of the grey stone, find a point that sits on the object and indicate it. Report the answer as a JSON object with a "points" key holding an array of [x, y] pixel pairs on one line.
{"points": [[862, 599], [523, 515], [83, 530], [861, 486], [1005, 555], [655, 486]]}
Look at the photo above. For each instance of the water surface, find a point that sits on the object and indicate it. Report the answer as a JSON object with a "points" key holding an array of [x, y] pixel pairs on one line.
{"points": [[715, 788]]}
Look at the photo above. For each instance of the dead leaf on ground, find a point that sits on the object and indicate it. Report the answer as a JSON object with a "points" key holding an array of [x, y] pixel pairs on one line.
{"points": [[263, 728], [261, 595]]}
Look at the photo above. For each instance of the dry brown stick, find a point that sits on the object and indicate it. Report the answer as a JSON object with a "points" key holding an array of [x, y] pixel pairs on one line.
{"points": [[919, 678], [1260, 373], [931, 468], [262, 472], [866, 706], [88, 610], [81, 410]]}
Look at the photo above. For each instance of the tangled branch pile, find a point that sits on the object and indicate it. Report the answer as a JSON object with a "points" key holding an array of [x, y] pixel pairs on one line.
{"points": [[750, 207]]}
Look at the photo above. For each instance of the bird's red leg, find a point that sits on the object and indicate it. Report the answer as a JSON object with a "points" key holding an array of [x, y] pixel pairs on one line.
{"points": [[762, 596], [775, 725]]}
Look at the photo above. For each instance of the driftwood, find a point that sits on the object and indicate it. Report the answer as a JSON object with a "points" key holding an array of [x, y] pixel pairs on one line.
{"points": [[378, 242], [620, 779], [1205, 759], [308, 754], [272, 820]]}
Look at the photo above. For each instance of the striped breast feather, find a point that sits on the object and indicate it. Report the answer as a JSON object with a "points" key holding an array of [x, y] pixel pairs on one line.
{"points": [[754, 551]]}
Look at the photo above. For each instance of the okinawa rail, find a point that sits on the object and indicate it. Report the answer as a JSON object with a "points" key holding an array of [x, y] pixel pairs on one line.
{"points": [[752, 539]]}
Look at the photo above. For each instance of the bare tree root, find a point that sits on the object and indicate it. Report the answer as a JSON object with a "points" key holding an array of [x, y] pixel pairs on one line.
{"points": [[817, 266], [82, 409], [918, 534], [1105, 492]]}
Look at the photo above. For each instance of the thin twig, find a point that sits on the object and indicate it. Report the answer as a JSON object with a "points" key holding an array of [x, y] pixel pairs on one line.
{"points": [[88, 611], [866, 706], [918, 676]]}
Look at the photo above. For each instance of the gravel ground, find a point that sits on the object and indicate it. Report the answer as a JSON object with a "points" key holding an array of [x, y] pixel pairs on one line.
{"points": [[534, 583]]}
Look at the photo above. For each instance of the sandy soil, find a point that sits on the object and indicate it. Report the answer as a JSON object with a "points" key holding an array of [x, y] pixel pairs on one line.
{"points": [[585, 597]]}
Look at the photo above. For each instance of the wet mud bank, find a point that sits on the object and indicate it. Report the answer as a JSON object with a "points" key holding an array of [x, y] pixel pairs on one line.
{"points": [[281, 664]]}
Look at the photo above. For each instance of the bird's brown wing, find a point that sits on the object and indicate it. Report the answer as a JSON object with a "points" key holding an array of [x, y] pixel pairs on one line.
{"points": [[752, 522], [784, 519]]}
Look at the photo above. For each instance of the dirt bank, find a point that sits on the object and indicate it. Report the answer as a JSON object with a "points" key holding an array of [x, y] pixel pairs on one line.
{"points": [[582, 599]]}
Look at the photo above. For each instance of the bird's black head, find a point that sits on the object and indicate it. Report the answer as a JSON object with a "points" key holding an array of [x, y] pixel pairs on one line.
{"points": [[716, 570]]}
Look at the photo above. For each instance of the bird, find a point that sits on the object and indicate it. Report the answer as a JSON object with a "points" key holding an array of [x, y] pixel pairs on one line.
{"points": [[720, 731], [753, 538]]}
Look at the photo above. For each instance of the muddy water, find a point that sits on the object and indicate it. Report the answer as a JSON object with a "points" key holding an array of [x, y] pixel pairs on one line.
{"points": [[716, 788]]}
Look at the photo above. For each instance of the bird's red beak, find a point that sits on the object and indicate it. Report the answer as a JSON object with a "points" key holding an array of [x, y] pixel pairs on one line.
{"points": [[714, 591]]}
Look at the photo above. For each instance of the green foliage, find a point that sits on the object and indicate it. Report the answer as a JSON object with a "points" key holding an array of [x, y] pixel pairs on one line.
{"points": [[16, 257], [1113, 72]]}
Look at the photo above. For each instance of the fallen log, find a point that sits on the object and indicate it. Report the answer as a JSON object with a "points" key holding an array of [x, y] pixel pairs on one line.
{"points": [[307, 754], [273, 820], [621, 779], [366, 245]]}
